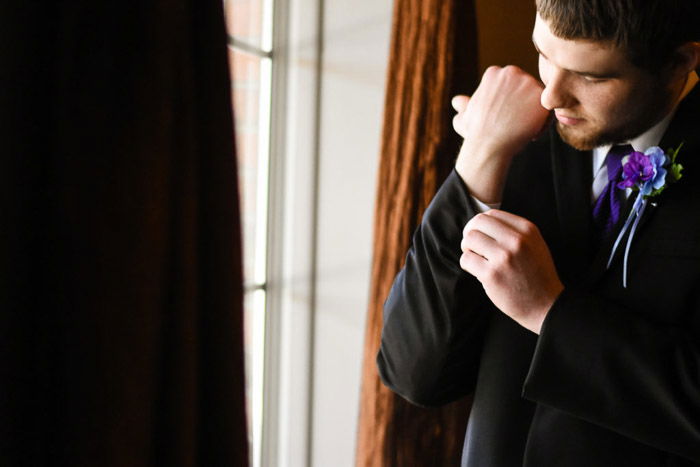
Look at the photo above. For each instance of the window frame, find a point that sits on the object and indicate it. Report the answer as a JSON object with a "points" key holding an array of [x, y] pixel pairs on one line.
{"points": [[292, 216]]}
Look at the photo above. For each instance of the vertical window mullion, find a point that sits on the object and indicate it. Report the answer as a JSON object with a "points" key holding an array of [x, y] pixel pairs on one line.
{"points": [[250, 28]]}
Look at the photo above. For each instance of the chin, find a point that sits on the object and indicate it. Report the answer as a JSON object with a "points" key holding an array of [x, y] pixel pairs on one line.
{"points": [[588, 140], [583, 141]]}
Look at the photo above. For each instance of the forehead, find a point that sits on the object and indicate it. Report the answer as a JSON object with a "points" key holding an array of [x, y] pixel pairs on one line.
{"points": [[579, 54]]}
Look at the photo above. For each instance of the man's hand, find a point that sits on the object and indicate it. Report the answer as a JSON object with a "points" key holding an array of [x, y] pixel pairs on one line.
{"points": [[502, 116], [511, 260]]}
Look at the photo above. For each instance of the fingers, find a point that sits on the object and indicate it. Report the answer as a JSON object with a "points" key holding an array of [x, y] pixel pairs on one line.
{"points": [[490, 225], [478, 242], [478, 249], [459, 103], [516, 223], [506, 232], [545, 126], [473, 263]]}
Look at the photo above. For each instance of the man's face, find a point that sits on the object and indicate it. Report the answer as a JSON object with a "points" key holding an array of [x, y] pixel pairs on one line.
{"points": [[597, 95]]}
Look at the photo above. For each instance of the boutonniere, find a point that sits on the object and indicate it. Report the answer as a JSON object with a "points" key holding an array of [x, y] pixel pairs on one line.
{"points": [[648, 174]]}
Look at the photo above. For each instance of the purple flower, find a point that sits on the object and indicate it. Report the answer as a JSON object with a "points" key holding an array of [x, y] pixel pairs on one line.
{"points": [[644, 170]]}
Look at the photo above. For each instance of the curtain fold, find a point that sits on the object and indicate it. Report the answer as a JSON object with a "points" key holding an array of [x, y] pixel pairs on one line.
{"points": [[121, 338], [433, 57]]}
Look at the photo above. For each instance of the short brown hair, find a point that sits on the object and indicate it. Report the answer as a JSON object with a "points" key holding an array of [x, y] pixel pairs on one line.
{"points": [[649, 31]]}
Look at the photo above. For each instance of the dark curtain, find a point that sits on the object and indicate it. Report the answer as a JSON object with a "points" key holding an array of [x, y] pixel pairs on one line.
{"points": [[432, 58], [120, 257]]}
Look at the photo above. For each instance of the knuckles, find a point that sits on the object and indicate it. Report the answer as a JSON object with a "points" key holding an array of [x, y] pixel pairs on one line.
{"points": [[530, 229], [503, 259], [512, 70], [465, 262], [491, 275], [508, 71], [468, 238], [517, 242]]}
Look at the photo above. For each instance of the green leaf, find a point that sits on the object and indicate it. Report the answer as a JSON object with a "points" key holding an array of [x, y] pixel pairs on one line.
{"points": [[656, 192], [673, 153], [675, 172]]}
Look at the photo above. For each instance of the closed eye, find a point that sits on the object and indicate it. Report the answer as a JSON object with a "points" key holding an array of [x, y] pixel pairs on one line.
{"points": [[594, 79]]}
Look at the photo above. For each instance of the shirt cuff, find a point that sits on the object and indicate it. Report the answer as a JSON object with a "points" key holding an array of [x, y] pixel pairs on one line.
{"points": [[483, 207]]}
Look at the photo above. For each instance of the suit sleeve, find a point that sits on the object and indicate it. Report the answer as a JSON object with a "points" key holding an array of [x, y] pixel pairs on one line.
{"points": [[435, 314], [620, 370]]}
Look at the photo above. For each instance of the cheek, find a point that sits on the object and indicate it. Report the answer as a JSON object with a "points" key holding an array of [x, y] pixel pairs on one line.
{"points": [[598, 103], [613, 105]]}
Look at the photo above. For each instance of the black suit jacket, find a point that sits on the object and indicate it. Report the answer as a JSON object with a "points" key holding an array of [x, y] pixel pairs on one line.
{"points": [[613, 379]]}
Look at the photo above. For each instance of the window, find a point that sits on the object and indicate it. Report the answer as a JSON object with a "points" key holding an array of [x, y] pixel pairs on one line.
{"points": [[274, 48], [250, 56]]}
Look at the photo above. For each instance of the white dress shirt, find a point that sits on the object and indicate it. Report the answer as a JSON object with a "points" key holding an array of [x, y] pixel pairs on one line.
{"points": [[651, 137]]}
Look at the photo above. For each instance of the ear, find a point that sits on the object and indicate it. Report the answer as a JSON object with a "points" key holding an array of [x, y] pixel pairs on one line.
{"points": [[686, 58]]}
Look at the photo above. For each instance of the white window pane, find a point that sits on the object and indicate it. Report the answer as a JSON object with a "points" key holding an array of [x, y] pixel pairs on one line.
{"points": [[254, 343], [249, 21], [251, 101]]}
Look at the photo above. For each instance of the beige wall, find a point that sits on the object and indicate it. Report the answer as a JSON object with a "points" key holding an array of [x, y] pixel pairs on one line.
{"points": [[356, 43], [505, 32], [355, 58]]}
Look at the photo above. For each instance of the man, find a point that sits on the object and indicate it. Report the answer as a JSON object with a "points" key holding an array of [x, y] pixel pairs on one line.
{"points": [[572, 361]]}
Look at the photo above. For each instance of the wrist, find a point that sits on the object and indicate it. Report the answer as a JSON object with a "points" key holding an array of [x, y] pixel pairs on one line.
{"points": [[483, 170], [536, 326]]}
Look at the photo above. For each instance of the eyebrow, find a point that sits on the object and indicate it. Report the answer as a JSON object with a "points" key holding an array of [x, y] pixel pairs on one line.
{"points": [[589, 74]]}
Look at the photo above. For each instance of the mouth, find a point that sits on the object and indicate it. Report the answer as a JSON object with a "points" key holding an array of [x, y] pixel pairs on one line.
{"points": [[567, 120]]}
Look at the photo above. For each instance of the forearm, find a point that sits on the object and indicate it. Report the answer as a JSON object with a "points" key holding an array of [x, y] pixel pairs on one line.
{"points": [[483, 173], [502, 116], [435, 312]]}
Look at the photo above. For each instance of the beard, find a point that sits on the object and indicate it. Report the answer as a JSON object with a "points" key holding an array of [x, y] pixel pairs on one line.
{"points": [[628, 122], [595, 137], [583, 141]]}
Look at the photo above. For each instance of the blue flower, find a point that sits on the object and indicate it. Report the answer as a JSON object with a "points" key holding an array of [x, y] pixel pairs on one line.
{"points": [[658, 160], [645, 171]]}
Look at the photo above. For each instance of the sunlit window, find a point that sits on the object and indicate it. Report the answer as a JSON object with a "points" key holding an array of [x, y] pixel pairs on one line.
{"points": [[249, 25]]}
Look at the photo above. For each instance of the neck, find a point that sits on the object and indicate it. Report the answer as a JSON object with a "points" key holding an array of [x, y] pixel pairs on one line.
{"points": [[679, 89]]}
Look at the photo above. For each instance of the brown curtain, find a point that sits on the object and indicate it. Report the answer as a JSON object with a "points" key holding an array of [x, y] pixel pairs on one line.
{"points": [[120, 256], [433, 57]]}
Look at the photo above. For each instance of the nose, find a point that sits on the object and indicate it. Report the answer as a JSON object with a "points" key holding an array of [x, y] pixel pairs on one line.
{"points": [[556, 94]]}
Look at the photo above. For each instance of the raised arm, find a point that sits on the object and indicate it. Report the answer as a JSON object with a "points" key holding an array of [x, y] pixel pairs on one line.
{"points": [[502, 116], [436, 313]]}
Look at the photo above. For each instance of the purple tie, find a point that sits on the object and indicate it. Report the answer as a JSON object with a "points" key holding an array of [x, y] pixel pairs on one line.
{"points": [[606, 211]]}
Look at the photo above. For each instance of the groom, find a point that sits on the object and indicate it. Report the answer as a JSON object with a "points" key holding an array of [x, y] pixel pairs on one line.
{"points": [[517, 287]]}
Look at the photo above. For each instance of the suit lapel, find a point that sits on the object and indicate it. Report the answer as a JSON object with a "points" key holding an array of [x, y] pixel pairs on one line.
{"points": [[684, 129], [572, 187]]}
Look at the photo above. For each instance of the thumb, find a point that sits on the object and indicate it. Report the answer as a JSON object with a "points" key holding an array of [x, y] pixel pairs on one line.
{"points": [[459, 103]]}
